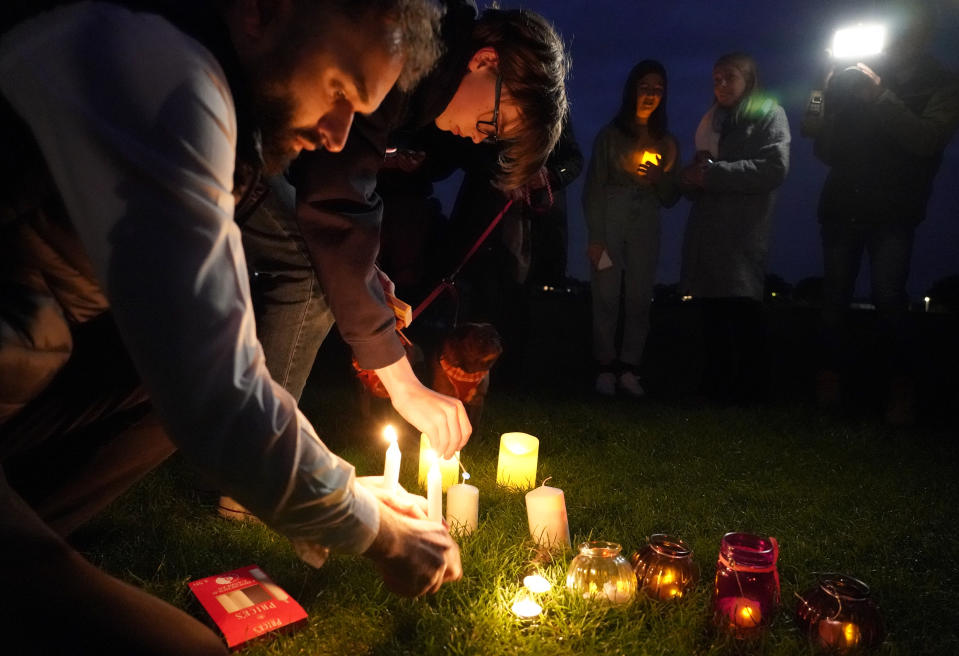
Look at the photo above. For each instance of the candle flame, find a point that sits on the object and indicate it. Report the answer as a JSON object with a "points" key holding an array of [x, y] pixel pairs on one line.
{"points": [[389, 433], [466, 476], [432, 457]]}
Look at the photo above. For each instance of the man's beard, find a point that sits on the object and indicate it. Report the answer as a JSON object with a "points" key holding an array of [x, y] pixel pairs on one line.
{"points": [[274, 117]]}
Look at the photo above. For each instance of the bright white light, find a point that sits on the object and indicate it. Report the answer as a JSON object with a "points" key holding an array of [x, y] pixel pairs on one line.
{"points": [[526, 608], [536, 584], [858, 41]]}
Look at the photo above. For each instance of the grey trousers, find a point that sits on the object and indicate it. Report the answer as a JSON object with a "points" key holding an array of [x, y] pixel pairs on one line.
{"points": [[632, 241]]}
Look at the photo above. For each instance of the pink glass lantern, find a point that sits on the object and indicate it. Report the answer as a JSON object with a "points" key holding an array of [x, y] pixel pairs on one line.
{"points": [[838, 614], [746, 593], [664, 568]]}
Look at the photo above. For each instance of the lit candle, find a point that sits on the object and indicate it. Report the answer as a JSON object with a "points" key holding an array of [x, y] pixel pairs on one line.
{"points": [[526, 608], [391, 472], [518, 453], [743, 613], [839, 635], [449, 468], [462, 507], [536, 584], [666, 585], [546, 510], [434, 491], [650, 157]]}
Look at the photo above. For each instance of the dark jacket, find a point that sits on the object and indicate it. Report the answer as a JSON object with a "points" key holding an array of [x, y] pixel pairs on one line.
{"points": [[339, 212], [884, 155]]}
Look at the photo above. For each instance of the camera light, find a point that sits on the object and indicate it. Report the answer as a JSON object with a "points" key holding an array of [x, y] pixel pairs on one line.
{"points": [[858, 41]]}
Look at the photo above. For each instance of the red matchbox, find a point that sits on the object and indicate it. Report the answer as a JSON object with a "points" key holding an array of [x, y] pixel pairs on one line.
{"points": [[246, 604]]}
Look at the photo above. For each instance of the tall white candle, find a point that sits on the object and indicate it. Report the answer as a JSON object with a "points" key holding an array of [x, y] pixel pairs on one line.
{"points": [[462, 507], [518, 453], [391, 471], [434, 492], [546, 510]]}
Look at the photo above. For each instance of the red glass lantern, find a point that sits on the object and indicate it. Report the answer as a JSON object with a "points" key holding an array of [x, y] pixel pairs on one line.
{"points": [[746, 593], [664, 568], [838, 614]]}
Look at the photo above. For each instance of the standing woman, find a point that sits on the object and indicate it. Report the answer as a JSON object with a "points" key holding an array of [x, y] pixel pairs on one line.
{"points": [[624, 191], [742, 156]]}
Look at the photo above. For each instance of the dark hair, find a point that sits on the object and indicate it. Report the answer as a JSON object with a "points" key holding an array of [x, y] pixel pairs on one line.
{"points": [[625, 119], [416, 24], [533, 63]]}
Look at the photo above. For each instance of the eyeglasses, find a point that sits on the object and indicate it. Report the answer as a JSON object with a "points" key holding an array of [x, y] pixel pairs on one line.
{"points": [[490, 129]]}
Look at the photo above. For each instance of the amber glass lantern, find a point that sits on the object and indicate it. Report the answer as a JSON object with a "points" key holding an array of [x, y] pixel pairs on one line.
{"points": [[601, 572], [839, 615], [664, 568], [746, 593]]}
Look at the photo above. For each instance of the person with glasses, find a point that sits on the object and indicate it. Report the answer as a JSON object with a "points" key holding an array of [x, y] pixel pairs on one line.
{"points": [[501, 77], [627, 182]]}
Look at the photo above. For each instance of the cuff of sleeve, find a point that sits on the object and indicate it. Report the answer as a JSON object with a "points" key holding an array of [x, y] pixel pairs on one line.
{"points": [[379, 352], [367, 513]]}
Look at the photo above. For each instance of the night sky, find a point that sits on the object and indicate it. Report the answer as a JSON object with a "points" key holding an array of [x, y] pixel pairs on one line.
{"points": [[787, 38]]}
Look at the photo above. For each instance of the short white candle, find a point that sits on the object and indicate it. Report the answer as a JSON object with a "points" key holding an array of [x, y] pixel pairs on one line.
{"points": [[462, 507], [518, 453], [449, 468], [434, 491], [391, 471], [546, 510]]}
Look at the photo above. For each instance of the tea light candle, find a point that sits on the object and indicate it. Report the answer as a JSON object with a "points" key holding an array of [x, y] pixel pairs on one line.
{"points": [[391, 471], [526, 608], [743, 613], [536, 584], [546, 510], [449, 468], [462, 507], [434, 491], [839, 635], [518, 453]]}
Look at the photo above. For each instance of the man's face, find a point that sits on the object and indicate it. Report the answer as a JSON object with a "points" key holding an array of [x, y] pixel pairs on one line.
{"points": [[310, 80], [475, 99]]}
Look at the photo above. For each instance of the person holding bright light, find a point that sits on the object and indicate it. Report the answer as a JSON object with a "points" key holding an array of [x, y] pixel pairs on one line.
{"points": [[742, 157], [888, 115], [627, 182]]}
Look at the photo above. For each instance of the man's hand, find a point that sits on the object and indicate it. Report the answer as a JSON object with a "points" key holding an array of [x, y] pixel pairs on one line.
{"points": [[407, 504], [441, 417], [414, 556]]}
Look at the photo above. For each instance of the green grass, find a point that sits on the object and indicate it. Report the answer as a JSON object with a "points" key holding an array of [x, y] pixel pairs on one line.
{"points": [[839, 495]]}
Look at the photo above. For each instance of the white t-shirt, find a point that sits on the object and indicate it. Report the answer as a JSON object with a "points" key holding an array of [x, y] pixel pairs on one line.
{"points": [[136, 122]]}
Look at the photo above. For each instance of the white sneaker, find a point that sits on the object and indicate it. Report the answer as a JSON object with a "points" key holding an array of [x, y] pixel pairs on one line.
{"points": [[606, 384], [630, 384]]}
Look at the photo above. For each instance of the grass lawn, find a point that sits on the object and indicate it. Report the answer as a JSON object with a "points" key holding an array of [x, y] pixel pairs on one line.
{"points": [[843, 494]]}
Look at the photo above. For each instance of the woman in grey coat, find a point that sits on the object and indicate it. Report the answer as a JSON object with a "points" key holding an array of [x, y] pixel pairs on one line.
{"points": [[742, 156]]}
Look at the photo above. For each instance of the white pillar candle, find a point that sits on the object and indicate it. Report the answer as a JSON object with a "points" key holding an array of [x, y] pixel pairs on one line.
{"points": [[434, 492], [546, 510], [462, 507], [391, 471], [449, 468], [518, 453]]}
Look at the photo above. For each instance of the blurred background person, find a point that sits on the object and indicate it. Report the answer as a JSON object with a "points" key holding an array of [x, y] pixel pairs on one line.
{"points": [[885, 124], [742, 157], [627, 183]]}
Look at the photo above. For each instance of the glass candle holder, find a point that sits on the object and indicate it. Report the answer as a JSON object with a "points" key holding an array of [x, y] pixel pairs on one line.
{"points": [[664, 568], [838, 614], [601, 572], [746, 592]]}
